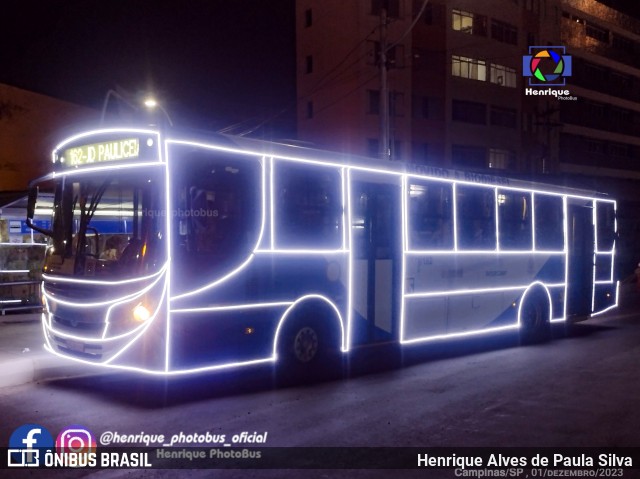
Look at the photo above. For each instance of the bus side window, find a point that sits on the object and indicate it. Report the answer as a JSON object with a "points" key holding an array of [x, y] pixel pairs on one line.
{"points": [[308, 207], [549, 222], [216, 214], [514, 220], [606, 223], [430, 216], [476, 217]]}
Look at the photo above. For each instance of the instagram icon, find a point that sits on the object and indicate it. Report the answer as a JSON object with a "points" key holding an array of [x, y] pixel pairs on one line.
{"points": [[75, 439]]}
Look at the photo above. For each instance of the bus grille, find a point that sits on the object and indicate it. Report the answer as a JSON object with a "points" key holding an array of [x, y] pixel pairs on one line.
{"points": [[78, 348], [78, 325]]}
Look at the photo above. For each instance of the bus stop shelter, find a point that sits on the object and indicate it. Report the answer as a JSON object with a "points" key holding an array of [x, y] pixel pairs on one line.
{"points": [[21, 256]]}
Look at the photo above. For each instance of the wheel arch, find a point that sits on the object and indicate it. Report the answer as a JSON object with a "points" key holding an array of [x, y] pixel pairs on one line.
{"points": [[534, 290], [311, 304]]}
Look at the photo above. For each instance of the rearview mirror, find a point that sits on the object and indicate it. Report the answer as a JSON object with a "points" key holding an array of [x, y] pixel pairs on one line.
{"points": [[31, 210]]}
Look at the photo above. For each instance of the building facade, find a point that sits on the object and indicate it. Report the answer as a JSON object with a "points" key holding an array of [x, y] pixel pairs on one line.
{"points": [[30, 126], [457, 94], [457, 90], [600, 132]]}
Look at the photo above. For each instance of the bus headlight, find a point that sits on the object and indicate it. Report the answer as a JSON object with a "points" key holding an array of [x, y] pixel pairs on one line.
{"points": [[141, 313]]}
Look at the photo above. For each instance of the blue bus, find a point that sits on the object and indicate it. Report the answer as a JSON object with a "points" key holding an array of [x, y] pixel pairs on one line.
{"points": [[174, 253]]}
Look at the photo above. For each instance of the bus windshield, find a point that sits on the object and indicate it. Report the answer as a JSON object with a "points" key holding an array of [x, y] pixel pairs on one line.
{"points": [[108, 225]]}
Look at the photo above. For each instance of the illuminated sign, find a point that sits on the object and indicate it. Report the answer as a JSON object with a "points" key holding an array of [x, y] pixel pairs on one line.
{"points": [[124, 149]]}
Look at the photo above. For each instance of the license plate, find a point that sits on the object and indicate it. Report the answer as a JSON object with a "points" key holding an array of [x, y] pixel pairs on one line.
{"points": [[77, 346]]}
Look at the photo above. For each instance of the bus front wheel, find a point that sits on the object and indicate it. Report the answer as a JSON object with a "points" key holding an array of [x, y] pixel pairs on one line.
{"points": [[306, 344], [307, 351]]}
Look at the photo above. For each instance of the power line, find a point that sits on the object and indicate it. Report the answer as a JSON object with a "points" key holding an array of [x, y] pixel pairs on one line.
{"points": [[321, 84]]}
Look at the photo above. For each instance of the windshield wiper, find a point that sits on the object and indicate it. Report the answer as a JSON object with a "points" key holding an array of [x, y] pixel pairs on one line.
{"points": [[86, 214]]}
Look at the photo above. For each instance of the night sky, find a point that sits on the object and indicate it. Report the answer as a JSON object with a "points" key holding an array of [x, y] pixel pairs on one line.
{"points": [[212, 62]]}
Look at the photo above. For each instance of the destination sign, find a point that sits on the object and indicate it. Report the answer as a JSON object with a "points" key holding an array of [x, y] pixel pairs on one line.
{"points": [[123, 149]]}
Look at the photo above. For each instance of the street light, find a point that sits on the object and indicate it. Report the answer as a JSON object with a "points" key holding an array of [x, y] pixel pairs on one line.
{"points": [[150, 104]]}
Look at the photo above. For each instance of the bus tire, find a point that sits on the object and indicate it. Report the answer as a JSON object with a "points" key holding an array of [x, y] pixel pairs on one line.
{"points": [[308, 350], [535, 325]]}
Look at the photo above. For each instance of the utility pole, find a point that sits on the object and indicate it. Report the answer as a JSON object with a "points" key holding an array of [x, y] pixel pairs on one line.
{"points": [[385, 151], [545, 120]]}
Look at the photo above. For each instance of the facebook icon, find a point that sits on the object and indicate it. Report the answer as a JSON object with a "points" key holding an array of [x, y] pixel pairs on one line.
{"points": [[26, 445]]}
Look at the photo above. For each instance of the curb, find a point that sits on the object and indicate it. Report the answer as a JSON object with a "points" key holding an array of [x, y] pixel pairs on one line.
{"points": [[23, 358], [23, 369]]}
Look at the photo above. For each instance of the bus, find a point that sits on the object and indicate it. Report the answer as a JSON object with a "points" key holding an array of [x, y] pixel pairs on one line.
{"points": [[174, 253]]}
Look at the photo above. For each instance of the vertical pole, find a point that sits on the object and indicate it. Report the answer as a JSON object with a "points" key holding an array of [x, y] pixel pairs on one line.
{"points": [[385, 152]]}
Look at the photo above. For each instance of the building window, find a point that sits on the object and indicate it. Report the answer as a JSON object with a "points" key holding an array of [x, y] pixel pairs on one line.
{"points": [[594, 31], [503, 117], [621, 117], [373, 147], [308, 18], [391, 6], [427, 16], [471, 68], [420, 152], [528, 124], [596, 147], [373, 102], [396, 153], [462, 21], [309, 109], [396, 104], [504, 32], [469, 112], [468, 22], [531, 39], [620, 81], [395, 56], [466, 156], [596, 74], [308, 64], [503, 76], [595, 110], [624, 44], [419, 106], [501, 159], [620, 150], [532, 5]]}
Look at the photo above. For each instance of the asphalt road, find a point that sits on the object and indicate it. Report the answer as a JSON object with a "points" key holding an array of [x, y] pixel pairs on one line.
{"points": [[581, 389]]}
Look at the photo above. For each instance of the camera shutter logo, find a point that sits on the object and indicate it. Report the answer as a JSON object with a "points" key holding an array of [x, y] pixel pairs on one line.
{"points": [[547, 66]]}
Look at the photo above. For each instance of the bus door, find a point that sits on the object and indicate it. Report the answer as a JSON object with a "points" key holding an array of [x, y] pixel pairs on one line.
{"points": [[581, 248], [377, 247]]}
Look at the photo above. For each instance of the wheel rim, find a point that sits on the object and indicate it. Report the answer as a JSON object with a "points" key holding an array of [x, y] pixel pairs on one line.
{"points": [[532, 317], [305, 344]]}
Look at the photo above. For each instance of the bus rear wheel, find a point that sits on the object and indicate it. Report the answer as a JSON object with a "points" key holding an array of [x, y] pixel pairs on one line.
{"points": [[535, 326]]}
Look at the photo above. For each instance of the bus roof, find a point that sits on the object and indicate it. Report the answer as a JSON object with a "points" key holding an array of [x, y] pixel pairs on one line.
{"points": [[305, 151], [302, 151]]}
